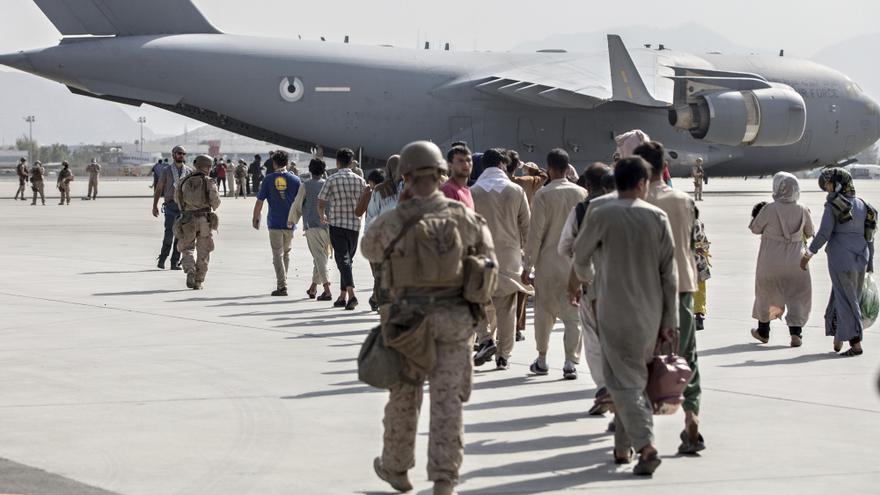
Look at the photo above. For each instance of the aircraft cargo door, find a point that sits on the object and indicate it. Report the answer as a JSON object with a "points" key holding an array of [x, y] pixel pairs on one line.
{"points": [[460, 129]]}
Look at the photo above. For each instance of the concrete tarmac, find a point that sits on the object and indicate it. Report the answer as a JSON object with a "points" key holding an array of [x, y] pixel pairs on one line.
{"points": [[117, 379]]}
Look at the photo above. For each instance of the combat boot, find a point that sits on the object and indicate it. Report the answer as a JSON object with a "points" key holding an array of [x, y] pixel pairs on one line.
{"points": [[191, 280], [398, 481], [444, 487]]}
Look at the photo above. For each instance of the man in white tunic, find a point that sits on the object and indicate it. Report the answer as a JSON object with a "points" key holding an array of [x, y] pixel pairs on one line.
{"points": [[550, 208], [637, 289], [679, 208], [506, 209]]}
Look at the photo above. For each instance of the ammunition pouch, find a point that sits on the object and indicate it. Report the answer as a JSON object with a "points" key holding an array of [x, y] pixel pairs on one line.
{"points": [[405, 330], [480, 279], [214, 221]]}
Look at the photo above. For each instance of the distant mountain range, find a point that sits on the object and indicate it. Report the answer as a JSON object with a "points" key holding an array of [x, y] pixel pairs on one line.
{"points": [[63, 117]]}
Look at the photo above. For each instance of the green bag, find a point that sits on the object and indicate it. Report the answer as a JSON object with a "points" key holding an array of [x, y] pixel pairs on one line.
{"points": [[869, 303], [379, 365]]}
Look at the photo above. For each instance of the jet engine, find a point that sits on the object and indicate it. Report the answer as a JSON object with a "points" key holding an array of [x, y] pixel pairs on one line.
{"points": [[766, 117]]}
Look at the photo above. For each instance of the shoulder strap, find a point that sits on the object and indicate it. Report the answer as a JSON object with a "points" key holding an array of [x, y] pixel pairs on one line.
{"points": [[581, 212], [410, 223]]}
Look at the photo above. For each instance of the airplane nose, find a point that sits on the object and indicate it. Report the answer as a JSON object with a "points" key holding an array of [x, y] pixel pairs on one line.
{"points": [[18, 61]]}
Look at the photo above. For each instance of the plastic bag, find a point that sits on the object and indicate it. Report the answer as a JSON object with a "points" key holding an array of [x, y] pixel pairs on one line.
{"points": [[869, 303]]}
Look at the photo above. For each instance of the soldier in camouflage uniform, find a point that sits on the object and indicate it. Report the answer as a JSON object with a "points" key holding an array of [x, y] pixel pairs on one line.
{"points": [[65, 177], [22, 171], [94, 170], [37, 173], [431, 285], [197, 197]]}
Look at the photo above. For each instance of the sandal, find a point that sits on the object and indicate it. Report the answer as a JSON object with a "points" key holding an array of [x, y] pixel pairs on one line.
{"points": [[689, 447], [624, 459], [647, 465], [852, 352]]}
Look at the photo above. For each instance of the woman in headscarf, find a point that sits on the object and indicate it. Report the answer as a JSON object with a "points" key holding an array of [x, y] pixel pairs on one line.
{"points": [[847, 228], [781, 287], [375, 201]]}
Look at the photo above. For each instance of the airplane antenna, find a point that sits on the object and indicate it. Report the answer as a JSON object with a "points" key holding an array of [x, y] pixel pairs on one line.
{"points": [[346, 38], [781, 53]]}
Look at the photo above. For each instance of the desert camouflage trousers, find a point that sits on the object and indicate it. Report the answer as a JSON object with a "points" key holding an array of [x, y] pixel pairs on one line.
{"points": [[449, 388], [195, 236]]}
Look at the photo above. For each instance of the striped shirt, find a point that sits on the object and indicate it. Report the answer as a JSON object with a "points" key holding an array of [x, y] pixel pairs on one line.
{"points": [[343, 190]]}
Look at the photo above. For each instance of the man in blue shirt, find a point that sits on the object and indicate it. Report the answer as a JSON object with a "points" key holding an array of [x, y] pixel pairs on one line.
{"points": [[279, 189]]}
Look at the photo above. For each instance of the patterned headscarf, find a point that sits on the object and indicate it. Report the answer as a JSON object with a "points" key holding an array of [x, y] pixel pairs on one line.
{"points": [[841, 199], [786, 188], [388, 188]]}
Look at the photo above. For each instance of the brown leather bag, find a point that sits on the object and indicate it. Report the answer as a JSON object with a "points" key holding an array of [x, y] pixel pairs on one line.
{"points": [[668, 375]]}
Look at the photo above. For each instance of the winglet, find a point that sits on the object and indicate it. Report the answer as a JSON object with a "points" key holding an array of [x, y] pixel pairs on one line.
{"points": [[626, 82]]}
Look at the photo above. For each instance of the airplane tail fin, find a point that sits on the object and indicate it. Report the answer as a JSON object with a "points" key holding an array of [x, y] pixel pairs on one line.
{"points": [[125, 17]]}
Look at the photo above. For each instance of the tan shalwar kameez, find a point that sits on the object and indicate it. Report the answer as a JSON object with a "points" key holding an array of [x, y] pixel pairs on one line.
{"points": [[550, 208], [637, 289], [781, 287], [507, 214]]}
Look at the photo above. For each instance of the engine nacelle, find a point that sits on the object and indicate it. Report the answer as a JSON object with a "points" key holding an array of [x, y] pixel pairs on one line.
{"points": [[766, 117]]}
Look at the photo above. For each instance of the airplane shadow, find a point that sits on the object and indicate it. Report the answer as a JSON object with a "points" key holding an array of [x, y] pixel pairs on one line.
{"points": [[803, 358]]}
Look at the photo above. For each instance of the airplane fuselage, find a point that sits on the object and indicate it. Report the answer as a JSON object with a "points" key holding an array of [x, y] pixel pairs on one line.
{"points": [[379, 98]]}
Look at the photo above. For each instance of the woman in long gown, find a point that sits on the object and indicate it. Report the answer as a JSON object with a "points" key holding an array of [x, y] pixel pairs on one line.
{"points": [[847, 228], [781, 287]]}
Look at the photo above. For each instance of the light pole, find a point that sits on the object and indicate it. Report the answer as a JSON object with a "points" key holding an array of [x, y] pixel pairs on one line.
{"points": [[142, 121], [30, 119]]}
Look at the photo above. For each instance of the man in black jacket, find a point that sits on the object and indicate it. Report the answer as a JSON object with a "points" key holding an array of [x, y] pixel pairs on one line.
{"points": [[256, 173]]}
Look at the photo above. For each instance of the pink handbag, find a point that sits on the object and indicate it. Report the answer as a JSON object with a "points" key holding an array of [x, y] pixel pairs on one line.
{"points": [[668, 375]]}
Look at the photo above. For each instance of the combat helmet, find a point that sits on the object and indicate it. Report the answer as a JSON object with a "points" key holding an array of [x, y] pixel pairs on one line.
{"points": [[421, 156], [204, 162]]}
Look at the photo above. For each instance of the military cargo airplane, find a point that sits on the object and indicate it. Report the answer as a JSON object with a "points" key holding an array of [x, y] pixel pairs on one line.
{"points": [[742, 115]]}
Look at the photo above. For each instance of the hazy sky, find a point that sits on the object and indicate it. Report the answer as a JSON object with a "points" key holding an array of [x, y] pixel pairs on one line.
{"points": [[801, 27]]}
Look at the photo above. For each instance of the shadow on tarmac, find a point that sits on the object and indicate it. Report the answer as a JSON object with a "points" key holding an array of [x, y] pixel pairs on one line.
{"points": [[532, 400], [803, 358], [142, 292]]}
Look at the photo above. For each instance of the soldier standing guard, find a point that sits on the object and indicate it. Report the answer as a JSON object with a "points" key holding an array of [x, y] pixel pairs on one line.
{"points": [[37, 173], [197, 197], [94, 170], [22, 171], [698, 180], [65, 177], [427, 238]]}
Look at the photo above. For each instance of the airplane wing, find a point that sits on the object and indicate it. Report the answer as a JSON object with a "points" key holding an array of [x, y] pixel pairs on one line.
{"points": [[125, 17], [584, 82]]}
